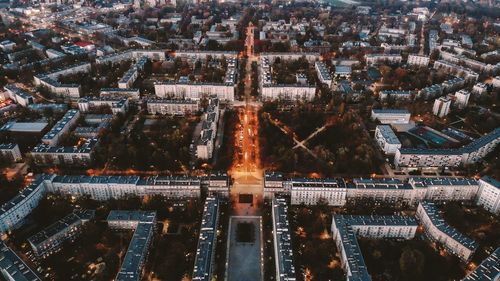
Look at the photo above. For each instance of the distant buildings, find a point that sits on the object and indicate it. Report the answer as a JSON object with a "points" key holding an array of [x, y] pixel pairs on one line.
{"points": [[205, 252], [171, 107], [345, 230], [10, 151], [441, 107], [418, 60], [374, 59], [144, 224], [489, 195], [391, 116], [195, 91], [455, 69], [50, 240], [387, 139], [323, 73], [283, 249], [438, 230]]}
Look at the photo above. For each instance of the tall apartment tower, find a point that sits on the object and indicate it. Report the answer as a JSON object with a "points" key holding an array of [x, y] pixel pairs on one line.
{"points": [[441, 107]]}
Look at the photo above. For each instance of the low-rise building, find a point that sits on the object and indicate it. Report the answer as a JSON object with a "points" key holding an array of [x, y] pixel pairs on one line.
{"points": [[387, 139], [488, 195], [283, 250], [51, 239], [275, 184], [479, 88], [438, 230]]}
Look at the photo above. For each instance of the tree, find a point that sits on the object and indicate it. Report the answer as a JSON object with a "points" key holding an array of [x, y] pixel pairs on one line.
{"points": [[411, 264]]}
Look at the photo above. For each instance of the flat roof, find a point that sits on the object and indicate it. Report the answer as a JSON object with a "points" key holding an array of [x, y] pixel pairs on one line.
{"points": [[12, 266]]}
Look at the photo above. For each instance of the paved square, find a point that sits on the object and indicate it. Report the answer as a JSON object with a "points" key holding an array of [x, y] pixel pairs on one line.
{"points": [[244, 260]]}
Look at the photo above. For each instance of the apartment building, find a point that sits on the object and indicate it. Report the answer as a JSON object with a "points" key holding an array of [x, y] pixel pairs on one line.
{"points": [[132, 74], [441, 107], [387, 139], [171, 107], [128, 93], [374, 59], [391, 116], [489, 195], [396, 94], [207, 241], [144, 224], [51, 239], [288, 92], [479, 88], [346, 228], [103, 188], [311, 191], [13, 212], [275, 184], [444, 189], [51, 138], [489, 269], [206, 142], [456, 69], [81, 155], [468, 154], [283, 250], [323, 73], [116, 104], [436, 229], [10, 151], [217, 183], [19, 96], [309, 56], [194, 91], [204, 55], [418, 60], [13, 268], [386, 190], [462, 98]]}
